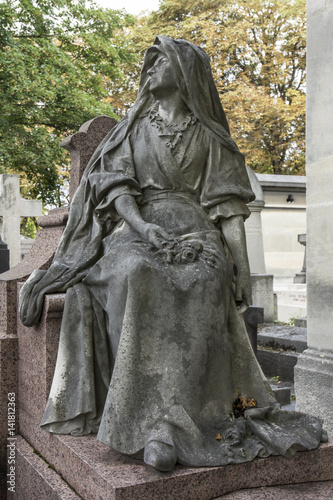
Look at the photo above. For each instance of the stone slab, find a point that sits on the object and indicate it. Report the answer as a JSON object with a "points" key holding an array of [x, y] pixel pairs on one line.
{"points": [[253, 229], [96, 471], [320, 255], [322, 490], [35, 479], [276, 181], [289, 338], [82, 145]]}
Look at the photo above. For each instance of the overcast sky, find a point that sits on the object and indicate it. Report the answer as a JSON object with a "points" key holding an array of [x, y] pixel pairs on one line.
{"points": [[131, 6]]}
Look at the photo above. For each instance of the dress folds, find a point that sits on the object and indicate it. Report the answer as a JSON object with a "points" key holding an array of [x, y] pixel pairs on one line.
{"points": [[160, 350]]}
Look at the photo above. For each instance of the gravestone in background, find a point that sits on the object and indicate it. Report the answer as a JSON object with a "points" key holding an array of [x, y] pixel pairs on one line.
{"points": [[12, 208], [4, 256], [262, 283]]}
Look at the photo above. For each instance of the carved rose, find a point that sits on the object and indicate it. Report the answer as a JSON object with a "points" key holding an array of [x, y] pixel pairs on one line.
{"points": [[188, 255], [184, 252], [188, 252]]}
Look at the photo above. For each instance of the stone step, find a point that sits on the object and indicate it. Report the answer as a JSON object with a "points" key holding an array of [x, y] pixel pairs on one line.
{"points": [[95, 471], [285, 337], [322, 490]]}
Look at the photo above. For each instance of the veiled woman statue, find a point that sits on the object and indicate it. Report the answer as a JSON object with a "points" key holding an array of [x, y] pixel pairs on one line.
{"points": [[153, 349]]}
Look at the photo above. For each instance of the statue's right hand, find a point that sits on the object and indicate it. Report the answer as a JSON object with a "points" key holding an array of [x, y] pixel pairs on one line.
{"points": [[155, 235]]}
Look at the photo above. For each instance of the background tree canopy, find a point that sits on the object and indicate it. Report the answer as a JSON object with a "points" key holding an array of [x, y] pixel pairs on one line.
{"points": [[64, 62], [55, 57], [258, 54]]}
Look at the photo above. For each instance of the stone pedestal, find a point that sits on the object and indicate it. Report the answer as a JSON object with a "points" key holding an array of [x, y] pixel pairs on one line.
{"points": [[314, 371]]}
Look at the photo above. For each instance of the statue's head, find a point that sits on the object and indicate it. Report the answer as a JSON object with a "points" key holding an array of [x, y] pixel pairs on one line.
{"points": [[162, 77], [186, 60], [184, 66]]}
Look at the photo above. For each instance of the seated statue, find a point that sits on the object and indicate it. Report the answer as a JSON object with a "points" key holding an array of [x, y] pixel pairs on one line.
{"points": [[153, 354]]}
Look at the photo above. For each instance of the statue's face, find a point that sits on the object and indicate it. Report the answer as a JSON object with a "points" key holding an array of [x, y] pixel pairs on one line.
{"points": [[162, 76]]}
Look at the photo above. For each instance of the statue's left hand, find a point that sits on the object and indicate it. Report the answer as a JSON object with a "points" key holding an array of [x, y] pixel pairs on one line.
{"points": [[243, 291]]}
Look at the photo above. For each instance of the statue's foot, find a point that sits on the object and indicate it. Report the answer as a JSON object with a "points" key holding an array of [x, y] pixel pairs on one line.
{"points": [[159, 455]]}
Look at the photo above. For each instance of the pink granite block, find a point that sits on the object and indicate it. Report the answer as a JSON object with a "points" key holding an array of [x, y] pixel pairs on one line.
{"points": [[130, 479], [38, 347], [7, 305], [322, 490], [8, 384], [96, 471], [34, 479]]}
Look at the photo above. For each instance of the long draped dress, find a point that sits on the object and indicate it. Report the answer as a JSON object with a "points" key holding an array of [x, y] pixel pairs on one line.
{"points": [[152, 346]]}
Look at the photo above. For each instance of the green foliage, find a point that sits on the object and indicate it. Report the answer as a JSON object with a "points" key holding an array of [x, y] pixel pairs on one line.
{"points": [[55, 59], [29, 227], [257, 51]]}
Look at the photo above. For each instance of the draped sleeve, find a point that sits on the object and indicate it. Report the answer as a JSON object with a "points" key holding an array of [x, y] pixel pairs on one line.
{"points": [[226, 188], [116, 177]]}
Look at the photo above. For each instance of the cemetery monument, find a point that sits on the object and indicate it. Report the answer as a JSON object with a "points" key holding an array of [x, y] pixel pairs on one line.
{"points": [[153, 354]]}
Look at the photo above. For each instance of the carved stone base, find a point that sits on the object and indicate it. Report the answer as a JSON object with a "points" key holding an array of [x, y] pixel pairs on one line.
{"points": [[95, 471]]}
